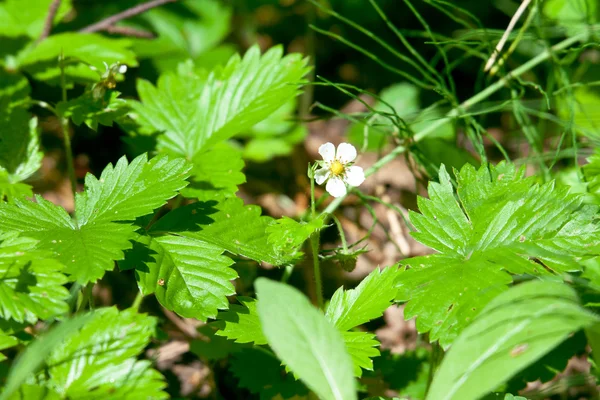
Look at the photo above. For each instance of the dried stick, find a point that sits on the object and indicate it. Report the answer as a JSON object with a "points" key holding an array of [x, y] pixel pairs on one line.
{"points": [[131, 12], [126, 31], [509, 29], [52, 10]]}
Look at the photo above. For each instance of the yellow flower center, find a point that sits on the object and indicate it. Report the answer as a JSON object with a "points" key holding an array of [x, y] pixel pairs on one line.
{"points": [[336, 168]]}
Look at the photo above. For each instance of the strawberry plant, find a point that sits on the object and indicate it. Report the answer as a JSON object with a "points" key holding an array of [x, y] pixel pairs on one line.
{"points": [[189, 210]]}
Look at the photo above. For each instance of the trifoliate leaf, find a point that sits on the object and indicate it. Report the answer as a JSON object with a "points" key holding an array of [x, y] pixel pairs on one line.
{"points": [[231, 225], [503, 340], [91, 111], [231, 100], [362, 347], [288, 234], [20, 155], [100, 359], [40, 60], [261, 372], [17, 20], [89, 246], [188, 276], [507, 223], [184, 35], [309, 345], [31, 284], [216, 174], [241, 322], [351, 308]]}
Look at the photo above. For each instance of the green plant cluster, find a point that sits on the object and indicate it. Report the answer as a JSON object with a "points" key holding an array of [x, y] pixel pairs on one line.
{"points": [[507, 292]]}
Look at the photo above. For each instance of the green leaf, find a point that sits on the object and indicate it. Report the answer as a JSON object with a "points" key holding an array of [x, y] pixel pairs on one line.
{"points": [[35, 392], [260, 372], [31, 284], [241, 322], [19, 20], [362, 347], [189, 32], [14, 87], [311, 347], [89, 246], [91, 111], [40, 60], [350, 308], [514, 330], [188, 276], [34, 355], [231, 225], [216, 173], [507, 223], [288, 234], [592, 173], [20, 155], [6, 342], [582, 106], [574, 15], [101, 356], [231, 100]]}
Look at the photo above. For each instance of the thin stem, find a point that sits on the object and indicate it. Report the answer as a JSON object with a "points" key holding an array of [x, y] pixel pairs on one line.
{"points": [[65, 128], [52, 10], [455, 112], [287, 272], [312, 191], [314, 244], [130, 12], [342, 235], [137, 301]]}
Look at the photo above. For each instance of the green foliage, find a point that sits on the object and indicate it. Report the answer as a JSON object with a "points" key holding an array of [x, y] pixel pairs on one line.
{"points": [[260, 372], [573, 15], [305, 341], [19, 20], [242, 323], [230, 100], [89, 245], [514, 330], [188, 276], [288, 234], [99, 360], [20, 155], [500, 223], [91, 111]]}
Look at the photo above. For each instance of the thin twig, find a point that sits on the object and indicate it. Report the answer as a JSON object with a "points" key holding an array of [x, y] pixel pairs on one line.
{"points": [[511, 25], [126, 31], [52, 10], [130, 12]]}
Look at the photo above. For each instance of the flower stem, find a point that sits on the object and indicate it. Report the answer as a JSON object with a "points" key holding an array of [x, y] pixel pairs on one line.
{"points": [[314, 244], [342, 235], [137, 301], [65, 128]]}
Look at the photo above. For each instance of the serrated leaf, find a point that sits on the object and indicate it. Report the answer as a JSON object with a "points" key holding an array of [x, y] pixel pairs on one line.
{"points": [[17, 20], [514, 330], [91, 111], [216, 174], [350, 308], [507, 222], [260, 372], [311, 347], [241, 322], [232, 100], [31, 284], [91, 49], [102, 355], [89, 246], [362, 347], [288, 234], [188, 276], [231, 225]]}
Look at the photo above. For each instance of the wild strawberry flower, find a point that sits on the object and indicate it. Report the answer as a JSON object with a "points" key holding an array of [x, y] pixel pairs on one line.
{"points": [[337, 169]]}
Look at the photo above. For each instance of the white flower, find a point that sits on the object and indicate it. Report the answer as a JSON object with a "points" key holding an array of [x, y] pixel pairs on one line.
{"points": [[337, 168]]}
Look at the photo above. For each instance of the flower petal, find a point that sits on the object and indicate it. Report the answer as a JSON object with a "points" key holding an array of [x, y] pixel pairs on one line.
{"points": [[345, 153], [336, 187], [321, 175], [354, 176], [327, 151]]}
